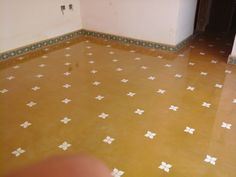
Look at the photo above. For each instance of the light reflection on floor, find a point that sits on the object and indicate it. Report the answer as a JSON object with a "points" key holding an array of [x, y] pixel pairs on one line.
{"points": [[143, 112]]}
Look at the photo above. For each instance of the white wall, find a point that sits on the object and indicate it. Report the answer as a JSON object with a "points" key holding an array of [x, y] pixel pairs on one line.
{"points": [[233, 53], [152, 20], [162, 21], [186, 19], [24, 22]]}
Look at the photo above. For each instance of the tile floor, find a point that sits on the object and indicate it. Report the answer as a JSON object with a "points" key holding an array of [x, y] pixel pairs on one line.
{"points": [[145, 113]]}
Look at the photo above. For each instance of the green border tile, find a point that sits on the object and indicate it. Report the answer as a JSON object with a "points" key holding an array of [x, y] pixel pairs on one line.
{"points": [[83, 32]]}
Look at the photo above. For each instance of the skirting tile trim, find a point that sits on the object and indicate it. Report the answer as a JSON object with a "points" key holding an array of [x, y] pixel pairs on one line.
{"points": [[87, 33], [232, 60], [39, 45], [137, 42]]}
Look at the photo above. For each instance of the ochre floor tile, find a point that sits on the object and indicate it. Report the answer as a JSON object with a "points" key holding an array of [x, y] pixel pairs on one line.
{"points": [[143, 112]]}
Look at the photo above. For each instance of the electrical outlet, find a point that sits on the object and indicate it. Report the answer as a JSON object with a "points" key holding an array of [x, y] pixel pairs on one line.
{"points": [[71, 6], [63, 7]]}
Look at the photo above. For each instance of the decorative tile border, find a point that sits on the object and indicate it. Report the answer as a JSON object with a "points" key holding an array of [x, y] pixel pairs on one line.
{"points": [[232, 60], [83, 32], [138, 42], [39, 45]]}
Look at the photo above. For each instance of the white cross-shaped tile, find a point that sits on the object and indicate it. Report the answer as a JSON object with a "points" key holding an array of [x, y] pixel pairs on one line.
{"points": [[99, 97], [35, 88], [202, 53], [42, 65], [226, 125], [191, 88], [111, 52], [88, 47], [20, 58], [124, 80], [210, 159], [64, 146], [18, 152], [115, 60], [90, 54], [91, 62], [67, 55], [131, 94], [67, 64], [103, 115], [234, 101], [67, 73], [137, 58], [228, 71], [65, 120], [151, 78], [150, 134], [93, 71], [31, 104], [26, 124], [173, 108], [132, 51], [144, 67], [96, 83], [222, 52], [205, 104], [119, 69], [16, 67], [87, 41], [214, 61], [44, 56], [108, 140], [165, 166], [168, 65], [66, 101], [181, 55], [66, 86], [139, 111], [191, 63], [218, 86], [117, 173], [68, 48], [203, 73], [161, 91], [189, 130], [160, 57], [178, 75], [3, 91], [108, 46], [10, 78], [39, 75]]}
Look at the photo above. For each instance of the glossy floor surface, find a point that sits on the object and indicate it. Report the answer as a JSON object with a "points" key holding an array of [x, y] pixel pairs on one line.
{"points": [[145, 113]]}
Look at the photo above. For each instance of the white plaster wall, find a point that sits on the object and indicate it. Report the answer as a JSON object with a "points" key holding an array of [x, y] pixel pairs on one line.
{"points": [[186, 19], [153, 20], [24, 22], [233, 53], [162, 21]]}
